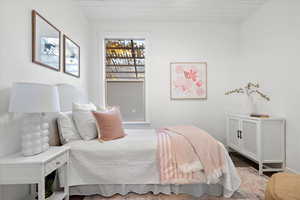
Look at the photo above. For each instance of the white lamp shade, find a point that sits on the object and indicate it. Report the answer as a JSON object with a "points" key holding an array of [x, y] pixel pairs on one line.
{"points": [[34, 98]]}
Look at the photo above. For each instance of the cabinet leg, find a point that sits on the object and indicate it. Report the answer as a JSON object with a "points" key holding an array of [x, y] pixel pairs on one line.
{"points": [[260, 170], [41, 190]]}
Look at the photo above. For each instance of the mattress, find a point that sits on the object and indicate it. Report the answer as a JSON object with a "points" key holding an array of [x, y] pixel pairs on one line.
{"points": [[130, 164]]}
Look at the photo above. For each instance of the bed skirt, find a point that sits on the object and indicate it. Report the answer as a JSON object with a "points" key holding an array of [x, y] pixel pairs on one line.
{"points": [[195, 190]]}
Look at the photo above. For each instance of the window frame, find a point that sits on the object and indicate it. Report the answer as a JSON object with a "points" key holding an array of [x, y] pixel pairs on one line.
{"points": [[103, 90]]}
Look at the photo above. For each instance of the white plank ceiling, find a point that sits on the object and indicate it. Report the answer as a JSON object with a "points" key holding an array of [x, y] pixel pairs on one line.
{"points": [[170, 10]]}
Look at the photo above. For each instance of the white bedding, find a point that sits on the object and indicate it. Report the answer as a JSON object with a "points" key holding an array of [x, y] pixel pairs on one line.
{"points": [[129, 160], [196, 190]]}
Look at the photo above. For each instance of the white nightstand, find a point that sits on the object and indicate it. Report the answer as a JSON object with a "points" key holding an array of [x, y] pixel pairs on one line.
{"points": [[17, 169]]}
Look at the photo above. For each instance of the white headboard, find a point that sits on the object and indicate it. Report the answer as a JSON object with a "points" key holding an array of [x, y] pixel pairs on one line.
{"points": [[69, 94]]}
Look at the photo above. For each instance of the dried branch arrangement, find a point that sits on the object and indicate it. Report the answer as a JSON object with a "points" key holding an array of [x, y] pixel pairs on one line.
{"points": [[249, 89]]}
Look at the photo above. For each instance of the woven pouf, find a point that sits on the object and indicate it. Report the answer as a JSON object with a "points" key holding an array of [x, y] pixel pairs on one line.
{"points": [[283, 186]]}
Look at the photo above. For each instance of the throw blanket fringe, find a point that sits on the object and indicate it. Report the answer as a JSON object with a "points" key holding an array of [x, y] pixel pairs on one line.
{"points": [[169, 171], [191, 167], [186, 150]]}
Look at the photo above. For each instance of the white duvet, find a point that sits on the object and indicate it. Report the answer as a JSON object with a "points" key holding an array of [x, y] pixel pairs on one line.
{"points": [[129, 160]]}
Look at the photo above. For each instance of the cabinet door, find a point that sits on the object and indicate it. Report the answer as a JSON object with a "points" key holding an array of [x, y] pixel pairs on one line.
{"points": [[232, 135], [249, 138]]}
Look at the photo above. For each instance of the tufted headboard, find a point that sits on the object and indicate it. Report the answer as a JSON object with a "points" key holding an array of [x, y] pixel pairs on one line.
{"points": [[67, 95]]}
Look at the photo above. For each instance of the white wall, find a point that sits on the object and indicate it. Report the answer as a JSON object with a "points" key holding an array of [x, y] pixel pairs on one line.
{"points": [[270, 46], [16, 65], [217, 44]]}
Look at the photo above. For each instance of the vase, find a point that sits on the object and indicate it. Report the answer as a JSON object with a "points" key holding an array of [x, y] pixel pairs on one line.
{"points": [[249, 105]]}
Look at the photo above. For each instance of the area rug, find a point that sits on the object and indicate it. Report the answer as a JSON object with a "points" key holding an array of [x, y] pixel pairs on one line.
{"points": [[252, 188]]}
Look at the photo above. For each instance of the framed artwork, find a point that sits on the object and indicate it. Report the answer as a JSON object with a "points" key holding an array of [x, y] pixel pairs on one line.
{"points": [[71, 57], [188, 80], [45, 42]]}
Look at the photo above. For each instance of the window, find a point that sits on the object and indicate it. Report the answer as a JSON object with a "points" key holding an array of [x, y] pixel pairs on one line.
{"points": [[125, 74]]}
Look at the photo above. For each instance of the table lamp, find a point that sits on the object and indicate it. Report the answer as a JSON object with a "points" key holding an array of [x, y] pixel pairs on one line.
{"points": [[34, 100]]}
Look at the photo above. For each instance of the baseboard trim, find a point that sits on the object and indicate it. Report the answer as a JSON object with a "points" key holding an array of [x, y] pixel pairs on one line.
{"points": [[289, 170]]}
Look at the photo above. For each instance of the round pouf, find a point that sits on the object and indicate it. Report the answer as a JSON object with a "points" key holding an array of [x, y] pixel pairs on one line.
{"points": [[283, 186]]}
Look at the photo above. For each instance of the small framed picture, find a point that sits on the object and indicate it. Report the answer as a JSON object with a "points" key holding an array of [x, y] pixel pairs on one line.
{"points": [[45, 42], [71, 57], [188, 80]]}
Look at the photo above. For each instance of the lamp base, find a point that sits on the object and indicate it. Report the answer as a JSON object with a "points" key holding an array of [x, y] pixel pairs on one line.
{"points": [[35, 138]]}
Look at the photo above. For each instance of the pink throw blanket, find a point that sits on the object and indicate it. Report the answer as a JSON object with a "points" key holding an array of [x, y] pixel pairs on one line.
{"points": [[185, 152]]}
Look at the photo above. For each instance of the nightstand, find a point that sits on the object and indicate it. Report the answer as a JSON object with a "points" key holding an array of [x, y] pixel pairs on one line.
{"points": [[17, 169]]}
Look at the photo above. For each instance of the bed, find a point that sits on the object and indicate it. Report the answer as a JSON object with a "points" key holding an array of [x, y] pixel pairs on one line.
{"points": [[128, 164]]}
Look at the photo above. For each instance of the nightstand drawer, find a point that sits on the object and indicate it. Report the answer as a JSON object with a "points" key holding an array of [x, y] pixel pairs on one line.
{"points": [[55, 163]]}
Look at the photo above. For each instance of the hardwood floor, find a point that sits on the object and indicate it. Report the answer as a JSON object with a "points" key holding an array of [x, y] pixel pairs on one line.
{"points": [[240, 161]]}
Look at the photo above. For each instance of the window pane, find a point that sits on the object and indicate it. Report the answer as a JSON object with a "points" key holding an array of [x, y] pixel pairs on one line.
{"points": [[140, 61], [129, 96], [125, 73], [121, 55], [139, 44], [140, 69], [141, 75], [139, 53], [120, 69], [118, 43]]}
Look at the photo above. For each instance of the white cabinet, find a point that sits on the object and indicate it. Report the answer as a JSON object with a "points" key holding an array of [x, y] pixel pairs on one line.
{"points": [[260, 139]]}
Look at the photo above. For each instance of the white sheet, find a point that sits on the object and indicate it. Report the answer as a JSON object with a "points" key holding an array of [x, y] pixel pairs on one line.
{"points": [[129, 160]]}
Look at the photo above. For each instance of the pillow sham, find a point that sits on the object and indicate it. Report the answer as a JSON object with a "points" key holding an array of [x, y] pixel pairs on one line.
{"points": [[84, 120], [109, 124], [66, 128]]}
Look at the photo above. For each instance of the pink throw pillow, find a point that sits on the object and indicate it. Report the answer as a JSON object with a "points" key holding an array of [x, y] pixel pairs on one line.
{"points": [[109, 124]]}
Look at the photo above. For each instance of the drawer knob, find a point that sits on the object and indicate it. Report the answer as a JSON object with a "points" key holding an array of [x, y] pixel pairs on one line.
{"points": [[57, 163]]}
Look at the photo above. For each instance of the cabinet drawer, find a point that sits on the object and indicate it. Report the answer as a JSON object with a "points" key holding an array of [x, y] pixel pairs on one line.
{"points": [[55, 163]]}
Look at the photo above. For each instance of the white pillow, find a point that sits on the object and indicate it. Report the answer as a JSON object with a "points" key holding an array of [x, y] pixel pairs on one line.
{"points": [[66, 128], [85, 121]]}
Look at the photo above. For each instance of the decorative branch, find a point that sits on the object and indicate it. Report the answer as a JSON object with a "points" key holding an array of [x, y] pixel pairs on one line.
{"points": [[249, 85], [239, 90], [249, 89], [263, 95]]}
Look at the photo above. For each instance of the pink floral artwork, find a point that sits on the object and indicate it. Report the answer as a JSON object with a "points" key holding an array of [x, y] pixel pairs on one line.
{"points": [[189, 80]]}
